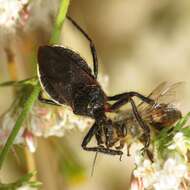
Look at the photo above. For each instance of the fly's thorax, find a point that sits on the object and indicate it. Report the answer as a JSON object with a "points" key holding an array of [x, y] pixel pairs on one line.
{"points": [[127, 119]]}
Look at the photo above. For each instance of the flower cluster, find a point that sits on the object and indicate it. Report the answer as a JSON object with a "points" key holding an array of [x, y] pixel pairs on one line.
{"points": [[169, 174], [12, 12], [43, 121], [170, 169]]}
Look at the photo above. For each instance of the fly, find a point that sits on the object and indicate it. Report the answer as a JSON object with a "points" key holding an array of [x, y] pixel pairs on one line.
{"points": [[163, 113]]}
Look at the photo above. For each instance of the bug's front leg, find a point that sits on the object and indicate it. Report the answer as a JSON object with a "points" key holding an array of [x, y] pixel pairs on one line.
{"points": [[92, 46], [93, 130]]}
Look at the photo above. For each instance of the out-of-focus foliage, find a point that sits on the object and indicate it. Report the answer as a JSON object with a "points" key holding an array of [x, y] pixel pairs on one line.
{"points": [[24, 183]]}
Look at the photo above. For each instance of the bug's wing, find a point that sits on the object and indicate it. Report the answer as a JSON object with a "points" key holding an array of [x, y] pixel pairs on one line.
{"points": [[57, 54], [165, 93], [60, 69]]}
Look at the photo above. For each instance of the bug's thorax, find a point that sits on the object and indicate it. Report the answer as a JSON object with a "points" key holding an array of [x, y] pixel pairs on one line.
{"points": [[90, 101]]}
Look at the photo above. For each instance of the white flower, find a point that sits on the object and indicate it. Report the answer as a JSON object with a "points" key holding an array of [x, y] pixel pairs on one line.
{"points": [[146, 171], [6, 126], [48, 120], [44, 121], [30, 140], [180, 143], [159, 175], [11, 13], [171, 176], [136, 184]]}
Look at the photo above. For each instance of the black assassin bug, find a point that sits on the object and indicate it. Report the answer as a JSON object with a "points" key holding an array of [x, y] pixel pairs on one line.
{"points": [[68, 80]]}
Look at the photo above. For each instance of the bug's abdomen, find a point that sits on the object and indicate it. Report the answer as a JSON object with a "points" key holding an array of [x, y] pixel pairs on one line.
{"points": [[63, 73]]}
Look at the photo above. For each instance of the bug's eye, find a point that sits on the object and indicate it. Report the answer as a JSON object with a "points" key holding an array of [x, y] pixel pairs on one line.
{"points": [[92, 106]]}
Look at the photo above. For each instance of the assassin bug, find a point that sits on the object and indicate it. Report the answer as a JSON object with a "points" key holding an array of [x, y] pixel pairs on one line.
{"points": [[67, 79]]}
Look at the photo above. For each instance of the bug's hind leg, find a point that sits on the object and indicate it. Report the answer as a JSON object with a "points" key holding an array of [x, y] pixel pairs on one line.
{"points": [[93, 130], [144, 126], [146, 134], [92, 46]]}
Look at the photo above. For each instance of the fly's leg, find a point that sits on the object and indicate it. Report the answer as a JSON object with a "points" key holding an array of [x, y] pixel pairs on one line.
{"points": [[121, 131], [93, 130], [92, 46]]}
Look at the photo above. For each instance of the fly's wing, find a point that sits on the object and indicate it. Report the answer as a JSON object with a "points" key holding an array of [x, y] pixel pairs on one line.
{"points": [[171, 94], [58, 69], [165, 93], [155, 94]]}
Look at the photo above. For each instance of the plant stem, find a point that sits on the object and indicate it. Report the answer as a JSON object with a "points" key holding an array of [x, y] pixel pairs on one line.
{"points": [[64, 4], [26, 109], [34, 95]]}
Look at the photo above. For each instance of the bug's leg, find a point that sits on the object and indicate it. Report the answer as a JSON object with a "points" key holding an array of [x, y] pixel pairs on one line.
{"points": [[92, 46], [98, 136], [108, 131], [124, 98], [128, 149], [143, 125], [121, 131], [100, 149], [46, 101]]}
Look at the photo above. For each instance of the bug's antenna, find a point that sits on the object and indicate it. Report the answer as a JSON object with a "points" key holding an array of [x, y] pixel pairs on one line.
{"points": [[94, 162]]}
